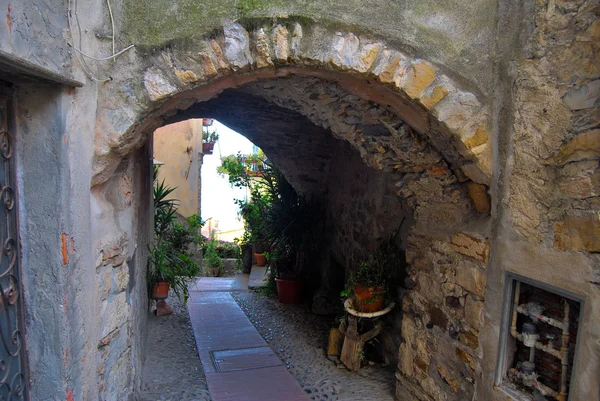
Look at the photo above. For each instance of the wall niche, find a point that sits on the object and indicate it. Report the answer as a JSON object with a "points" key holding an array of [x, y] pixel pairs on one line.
{"points": [[539, 338]]}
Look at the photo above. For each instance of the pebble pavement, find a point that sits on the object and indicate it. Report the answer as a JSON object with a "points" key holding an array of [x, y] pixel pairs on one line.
{"points": [[299, 338], [172, 370]]}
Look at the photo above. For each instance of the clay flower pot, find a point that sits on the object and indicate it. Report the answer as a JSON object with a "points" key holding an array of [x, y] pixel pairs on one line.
{"points": [[207, 147], [260, 259], [369, 299], [160, 290], [289, 291]]}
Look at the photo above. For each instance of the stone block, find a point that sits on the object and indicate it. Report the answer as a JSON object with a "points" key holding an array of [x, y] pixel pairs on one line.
{"points": [[469, 339], [409, 329], [297, 35], [584, 146], [406, 355], [430, 288], [471, 278], [186, 76], [113, 313], [263, 58], [479, 196], [473, 312], [466, 358], [447, 377], [417, 78], [121, 277], [433, 390], [476, 248], [578, 233], [237, 46], [434, 97], [280, 43], [157, 86], [583, 97], [218, 51]]}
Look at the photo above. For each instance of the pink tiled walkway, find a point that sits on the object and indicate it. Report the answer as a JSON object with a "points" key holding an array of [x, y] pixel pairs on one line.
{"points": [[238, 363]]}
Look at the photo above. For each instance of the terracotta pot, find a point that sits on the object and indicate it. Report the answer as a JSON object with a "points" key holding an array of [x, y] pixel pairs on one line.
{"points": [[207, 147], [289, 291], [160, 290], [369, 299], [260, 259], [212, 271]]}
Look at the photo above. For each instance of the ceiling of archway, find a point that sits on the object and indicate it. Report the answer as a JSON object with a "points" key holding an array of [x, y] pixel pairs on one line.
{"points": [[298, 120]]}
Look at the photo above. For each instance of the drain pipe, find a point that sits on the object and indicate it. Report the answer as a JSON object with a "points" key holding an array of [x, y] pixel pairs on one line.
{"points": [[513, 326], [564, 349]]}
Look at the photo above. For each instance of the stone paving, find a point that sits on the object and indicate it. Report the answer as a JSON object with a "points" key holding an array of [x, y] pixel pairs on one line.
{"points": [[296, 337], [172, 370], [299, 338]]}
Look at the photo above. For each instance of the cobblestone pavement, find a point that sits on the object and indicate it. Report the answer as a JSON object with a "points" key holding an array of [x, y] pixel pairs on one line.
{"points": [[172, 370], [299, 338]]}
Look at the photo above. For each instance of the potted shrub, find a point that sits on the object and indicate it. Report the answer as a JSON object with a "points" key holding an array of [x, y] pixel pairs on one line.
{"points": [[293, 225], [169, 264], [208, 140], [368, 284], [212, 261]]}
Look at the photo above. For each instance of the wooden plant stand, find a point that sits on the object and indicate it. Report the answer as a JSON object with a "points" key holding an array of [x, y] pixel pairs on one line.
{"points": [[355, 341]]}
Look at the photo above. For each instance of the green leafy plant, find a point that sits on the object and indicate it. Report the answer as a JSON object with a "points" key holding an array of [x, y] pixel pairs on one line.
{"points": [[211, 257], [169, 259], [209, 136]]}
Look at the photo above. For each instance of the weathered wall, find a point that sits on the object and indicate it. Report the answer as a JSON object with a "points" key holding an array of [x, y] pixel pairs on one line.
{"points": [[448, 33], [520, 75], [121, 243], [179, 146], [58, 279], [548, 149], [34, 32]]}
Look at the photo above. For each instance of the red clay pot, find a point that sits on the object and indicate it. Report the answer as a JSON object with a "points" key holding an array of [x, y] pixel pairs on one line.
{"points": [[289, 291], [369, 299], [208, 147], [260, 259], [160, 290]]}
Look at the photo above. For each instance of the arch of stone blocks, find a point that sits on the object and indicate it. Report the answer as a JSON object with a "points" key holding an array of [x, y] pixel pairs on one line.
{"points": [[404, 117], [162, 82]]}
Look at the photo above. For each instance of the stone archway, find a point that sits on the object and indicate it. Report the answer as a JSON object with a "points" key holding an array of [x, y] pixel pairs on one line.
{"points": [[174, 79], [423, 139]]}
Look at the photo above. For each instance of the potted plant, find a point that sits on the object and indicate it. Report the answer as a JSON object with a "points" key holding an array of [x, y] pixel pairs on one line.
{"points": [[370, 281], [208, 140], [169, 264], [293, 225], [212, 261], [368, 284]]}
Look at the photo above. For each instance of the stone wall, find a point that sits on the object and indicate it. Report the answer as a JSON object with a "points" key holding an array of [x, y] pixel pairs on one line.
{"points": [[499, 95], [121, 276]]}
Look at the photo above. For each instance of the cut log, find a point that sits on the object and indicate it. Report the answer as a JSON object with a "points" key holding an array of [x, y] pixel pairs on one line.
{"points": [[354, 342]]}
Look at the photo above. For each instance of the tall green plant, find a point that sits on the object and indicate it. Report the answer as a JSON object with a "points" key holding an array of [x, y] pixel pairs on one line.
{"points": [[169, 258]]}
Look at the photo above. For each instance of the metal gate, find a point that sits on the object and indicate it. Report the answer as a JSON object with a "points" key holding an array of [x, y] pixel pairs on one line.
{"points": [[13, 380]]}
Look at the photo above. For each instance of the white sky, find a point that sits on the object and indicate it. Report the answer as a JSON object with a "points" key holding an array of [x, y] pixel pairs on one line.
{"points": [[217, 194]]}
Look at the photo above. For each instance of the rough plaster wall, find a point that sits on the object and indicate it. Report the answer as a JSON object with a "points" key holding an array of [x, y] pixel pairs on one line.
{"points": [[53, 170], [40, 126], [123, 229], [33, 31], [179, 146], [548, 147]]}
